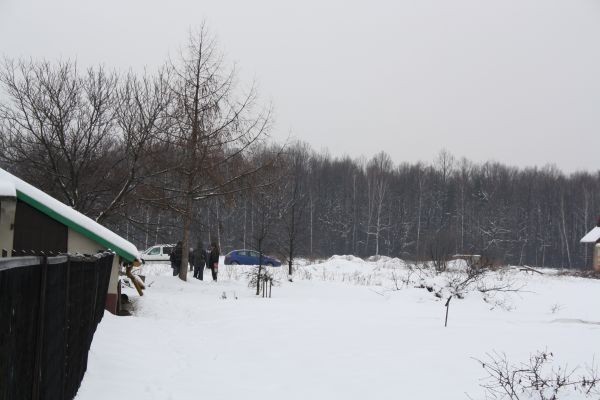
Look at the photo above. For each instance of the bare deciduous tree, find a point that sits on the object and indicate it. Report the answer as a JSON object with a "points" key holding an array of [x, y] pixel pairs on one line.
{"points": [[268, 203], [378, 170], [89, 139], [141, 113], [58, 126], [296, 201]]}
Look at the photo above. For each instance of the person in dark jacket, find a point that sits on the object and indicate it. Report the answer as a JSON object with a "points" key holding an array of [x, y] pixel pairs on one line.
{"points": [[175, 258], [213, 260], [199, 261]]}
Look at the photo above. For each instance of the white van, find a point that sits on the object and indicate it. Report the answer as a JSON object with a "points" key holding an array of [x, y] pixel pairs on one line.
{"points": [[158, 253]]}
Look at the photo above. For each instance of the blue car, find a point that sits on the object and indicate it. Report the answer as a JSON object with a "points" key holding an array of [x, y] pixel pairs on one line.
{"points": [[250, 257]]}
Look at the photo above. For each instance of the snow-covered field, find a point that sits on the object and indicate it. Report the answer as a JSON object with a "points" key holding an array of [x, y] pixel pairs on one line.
{"points": [[341, 330]]}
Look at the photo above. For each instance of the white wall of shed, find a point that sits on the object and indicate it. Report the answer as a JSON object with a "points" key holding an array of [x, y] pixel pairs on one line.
{"points": [[77, 243], [114, 276], [8, 206]]}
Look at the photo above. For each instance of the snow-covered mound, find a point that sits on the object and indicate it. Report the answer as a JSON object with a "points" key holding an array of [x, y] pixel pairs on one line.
{"points": [[349, 258]]}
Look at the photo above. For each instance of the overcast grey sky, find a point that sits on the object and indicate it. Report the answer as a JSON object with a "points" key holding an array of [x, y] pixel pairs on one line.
{"points": [[516, 81]]}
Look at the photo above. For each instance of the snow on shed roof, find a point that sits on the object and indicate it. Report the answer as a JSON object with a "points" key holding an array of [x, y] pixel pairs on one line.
{"points": [[592, 236], [7, 189], [69, 217]]}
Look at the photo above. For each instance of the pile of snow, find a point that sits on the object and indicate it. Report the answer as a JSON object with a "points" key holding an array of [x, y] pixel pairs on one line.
{"points": [[457, 265], [326, 336], [349, 258], [392, 263], [374, 271], [379, 258]]}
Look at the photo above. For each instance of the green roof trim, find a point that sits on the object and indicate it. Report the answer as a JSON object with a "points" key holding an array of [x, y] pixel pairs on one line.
{"points": [[73, 225]]}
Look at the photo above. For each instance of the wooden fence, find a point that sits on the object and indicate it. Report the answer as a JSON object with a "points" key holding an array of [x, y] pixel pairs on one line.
{"points": [[49, 310]]}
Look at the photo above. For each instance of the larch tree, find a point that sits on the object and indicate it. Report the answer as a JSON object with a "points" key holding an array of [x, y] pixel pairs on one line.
{"points": [[213, 128]]}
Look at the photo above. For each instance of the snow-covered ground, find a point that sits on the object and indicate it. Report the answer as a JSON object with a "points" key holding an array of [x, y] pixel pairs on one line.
{"points": [[341, 330]]}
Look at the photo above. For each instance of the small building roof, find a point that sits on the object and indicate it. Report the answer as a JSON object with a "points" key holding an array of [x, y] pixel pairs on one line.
{"points": [[592, 236], [67, 216]]}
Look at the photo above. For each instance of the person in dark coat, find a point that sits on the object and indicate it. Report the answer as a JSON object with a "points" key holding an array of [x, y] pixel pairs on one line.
{"points": [[199, 261], [213, 260], [175, 258]]}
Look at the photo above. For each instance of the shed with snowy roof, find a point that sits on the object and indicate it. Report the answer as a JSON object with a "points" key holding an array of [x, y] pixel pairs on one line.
{"points": [[593, 236], [32, 222]]}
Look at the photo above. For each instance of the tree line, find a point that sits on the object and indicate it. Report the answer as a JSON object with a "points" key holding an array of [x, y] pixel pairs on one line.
{"points": [[184, 154], [338, 205]]}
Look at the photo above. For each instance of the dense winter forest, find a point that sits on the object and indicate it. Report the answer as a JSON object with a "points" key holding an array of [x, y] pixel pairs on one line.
{"points": [[184, 150], [337, 205]]}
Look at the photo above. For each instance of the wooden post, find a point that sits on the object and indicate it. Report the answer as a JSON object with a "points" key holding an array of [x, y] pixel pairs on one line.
{"points": [[37, 370], [258, 280], [447, 309], [67, 327], [138, 284]]}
